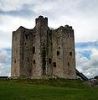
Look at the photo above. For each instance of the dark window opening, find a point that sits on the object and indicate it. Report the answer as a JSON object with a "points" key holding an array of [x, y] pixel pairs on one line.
{"points": [[68, 64], [25, 43], [50, 61], [34, 35], [15, 61], [33, 61], [54, 64], [58, 53], [33, 50], [70, 53], [26, 36]]}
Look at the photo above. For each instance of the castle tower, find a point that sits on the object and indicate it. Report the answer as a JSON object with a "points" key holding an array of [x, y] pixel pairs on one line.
{"points": [[42, 52], [21, 53], [63, 52], [16, 52], [41, 45]]}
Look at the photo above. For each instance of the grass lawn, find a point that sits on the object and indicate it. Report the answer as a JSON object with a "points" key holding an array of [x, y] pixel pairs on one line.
{"points": [[46, 90]]}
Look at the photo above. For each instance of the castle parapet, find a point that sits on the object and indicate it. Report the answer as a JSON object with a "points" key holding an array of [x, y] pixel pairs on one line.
{"points": [[69, 28], [41, 21]]}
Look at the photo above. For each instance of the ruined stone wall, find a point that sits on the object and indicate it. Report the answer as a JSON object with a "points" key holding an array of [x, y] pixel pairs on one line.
{"points": [[26, 66], [36, 58], [42, 52], [69, 52], [16, 53], [22, 53], [49, 54], [57, 41], [41, 30], [63, 52]]}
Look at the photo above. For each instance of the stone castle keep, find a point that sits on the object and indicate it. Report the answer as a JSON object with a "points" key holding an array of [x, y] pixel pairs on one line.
{"points": [[42, 52]]}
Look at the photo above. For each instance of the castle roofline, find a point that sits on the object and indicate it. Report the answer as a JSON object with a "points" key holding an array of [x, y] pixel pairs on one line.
{"points": [[22, 28], [66, 27], [41, 17]]}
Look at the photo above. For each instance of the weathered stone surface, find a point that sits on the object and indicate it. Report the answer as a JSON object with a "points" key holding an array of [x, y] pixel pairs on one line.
{"points": [[42, 52]]}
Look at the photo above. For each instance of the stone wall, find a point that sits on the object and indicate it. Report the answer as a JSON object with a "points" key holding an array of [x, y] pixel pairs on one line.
{"points": [[42, 52], [16, 51]]}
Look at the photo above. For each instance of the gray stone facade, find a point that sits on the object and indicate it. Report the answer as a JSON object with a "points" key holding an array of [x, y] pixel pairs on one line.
{"points": [[42, 52]]}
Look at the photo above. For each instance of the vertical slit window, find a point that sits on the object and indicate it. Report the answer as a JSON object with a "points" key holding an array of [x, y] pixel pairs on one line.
{"points": [[68, 64], [33, 50], [54, 64], [70, 53], [58, 53], [15, 61], [50, 61], [33, 61]]}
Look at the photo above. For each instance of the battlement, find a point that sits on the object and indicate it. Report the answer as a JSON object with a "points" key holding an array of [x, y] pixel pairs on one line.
{"points": [[66, 29], [41, 20]]}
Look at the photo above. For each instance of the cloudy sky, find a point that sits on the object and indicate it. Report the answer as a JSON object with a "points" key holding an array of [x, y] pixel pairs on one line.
{"points": [[81, 14]]}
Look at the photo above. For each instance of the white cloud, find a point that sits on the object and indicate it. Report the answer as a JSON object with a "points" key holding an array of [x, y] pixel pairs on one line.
{"points": [[81, 14], [10, 25], [5, 59], [88, 66], [5, 70], [3, 56], [8, 5]]}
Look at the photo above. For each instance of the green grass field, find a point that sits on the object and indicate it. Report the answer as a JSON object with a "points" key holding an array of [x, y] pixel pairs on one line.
{"points": [[46, 90]]}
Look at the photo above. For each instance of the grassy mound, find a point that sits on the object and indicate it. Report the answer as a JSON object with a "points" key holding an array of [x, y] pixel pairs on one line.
{"points": [[51, 89]]}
